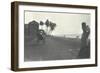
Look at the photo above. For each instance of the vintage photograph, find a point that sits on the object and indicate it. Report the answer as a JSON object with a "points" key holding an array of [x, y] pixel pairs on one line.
{"points": [[52, 36], [56, 35]]}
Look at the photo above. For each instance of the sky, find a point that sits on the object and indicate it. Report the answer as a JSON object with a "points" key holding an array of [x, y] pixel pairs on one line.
{"points": [[67, 23]]}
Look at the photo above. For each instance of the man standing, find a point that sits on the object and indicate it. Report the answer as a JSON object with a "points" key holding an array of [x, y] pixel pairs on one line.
{"points": [[85, 45]]}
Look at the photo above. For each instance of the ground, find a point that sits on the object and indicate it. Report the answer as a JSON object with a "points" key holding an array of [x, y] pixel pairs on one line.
{"points": [[55, 48]]}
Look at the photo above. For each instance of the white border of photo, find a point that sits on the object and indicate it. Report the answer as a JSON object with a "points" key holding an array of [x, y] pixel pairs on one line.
{"points": [[33, 64]]}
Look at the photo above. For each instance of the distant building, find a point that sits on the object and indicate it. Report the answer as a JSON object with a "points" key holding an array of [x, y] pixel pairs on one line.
{"points": [[31, 29]]}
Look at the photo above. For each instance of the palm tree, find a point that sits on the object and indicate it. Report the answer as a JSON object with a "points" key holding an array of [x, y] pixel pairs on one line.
{"points": [[41, 24], [52, 26], [47, 23]]}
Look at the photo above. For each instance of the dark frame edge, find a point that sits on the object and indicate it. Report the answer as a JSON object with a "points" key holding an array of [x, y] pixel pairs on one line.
{"points": [[56, 67], [96, 36], [14, 43], [55, 5], [12, 36]]}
